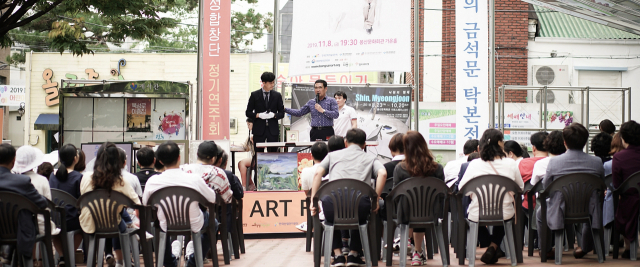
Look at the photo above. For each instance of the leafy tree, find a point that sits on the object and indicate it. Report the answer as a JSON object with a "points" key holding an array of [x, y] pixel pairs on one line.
{"points": [[85, 26]]}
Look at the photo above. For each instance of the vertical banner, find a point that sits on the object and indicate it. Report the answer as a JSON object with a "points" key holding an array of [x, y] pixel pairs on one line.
{"points": [[472, 70], [216, 55]]}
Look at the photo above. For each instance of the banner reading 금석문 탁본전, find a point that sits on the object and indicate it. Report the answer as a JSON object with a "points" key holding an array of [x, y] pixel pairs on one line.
{"points": [[472, 106], [344, 36], [216, 56]]}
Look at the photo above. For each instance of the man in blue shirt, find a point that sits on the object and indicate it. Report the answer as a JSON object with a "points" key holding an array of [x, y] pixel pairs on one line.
{"points": [[322, 113]]}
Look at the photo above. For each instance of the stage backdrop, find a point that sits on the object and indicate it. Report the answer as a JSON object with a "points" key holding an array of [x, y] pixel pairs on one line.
{"points": [[472, 71], [383, 110], [346, 36]]}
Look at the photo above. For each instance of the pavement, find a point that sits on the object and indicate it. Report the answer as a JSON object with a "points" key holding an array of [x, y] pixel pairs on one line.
{"points": [[290, 252]]}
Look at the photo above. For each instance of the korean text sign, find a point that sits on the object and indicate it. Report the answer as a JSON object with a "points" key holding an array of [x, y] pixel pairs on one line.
{"points": [[216, 56], [332, 36], [472, 106]]}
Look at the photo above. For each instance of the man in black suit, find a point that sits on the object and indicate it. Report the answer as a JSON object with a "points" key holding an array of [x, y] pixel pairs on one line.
{"points": [[20, 184], [265, 107]]}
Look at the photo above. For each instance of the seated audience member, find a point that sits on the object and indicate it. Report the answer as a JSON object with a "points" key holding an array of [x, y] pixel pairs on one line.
{"points": [[107, 174], [213, 176], [158, 166], [525, 151], [575, 137], [601, 146], [67, 179], [133, 180], [493, 160], [349, 163], [319, 151], [463, 169], [554, 144], [45, 169], [336, 143], [27, 159], [234, 182], [419, 162], [245, 164], [514, 150], [608, 208], [606, 126], [396, 147], [81, 165], [20, 184], [168, 154], [526, 165], [146, 160], [452, 168], [625, 163]]}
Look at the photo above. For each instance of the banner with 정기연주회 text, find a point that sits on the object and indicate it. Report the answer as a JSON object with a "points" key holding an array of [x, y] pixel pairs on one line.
{"points": [[333, 36], [472, 70], [273, 212], [215, 41]]}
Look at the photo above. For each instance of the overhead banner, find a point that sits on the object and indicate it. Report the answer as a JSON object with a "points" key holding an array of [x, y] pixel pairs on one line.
{"points": [[12, 95], [472, 70], [216, 56], [345, 36], [383, 110]]}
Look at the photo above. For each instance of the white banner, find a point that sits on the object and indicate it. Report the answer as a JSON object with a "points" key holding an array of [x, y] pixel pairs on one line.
{"points": [[345, 36], [472, 70], [11, 95]]}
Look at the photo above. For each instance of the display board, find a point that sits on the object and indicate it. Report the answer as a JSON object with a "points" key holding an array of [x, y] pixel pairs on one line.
{"points": [[273, 212], [383, 110], [91, 152], [345, 36]]}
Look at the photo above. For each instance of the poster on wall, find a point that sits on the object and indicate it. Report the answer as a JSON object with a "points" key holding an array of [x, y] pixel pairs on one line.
{"points": [[277, 171], [138, 115], [11, 95], [438, 127], [168, 119], [556, 120], [383, 110], [344, 36], [472, 66]]}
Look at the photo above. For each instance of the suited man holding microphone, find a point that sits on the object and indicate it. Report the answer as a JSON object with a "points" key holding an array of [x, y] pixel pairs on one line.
{"points": [[265, 108]]}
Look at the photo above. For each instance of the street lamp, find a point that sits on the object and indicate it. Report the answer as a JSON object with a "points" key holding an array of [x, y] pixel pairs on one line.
{"points": [[21, 110]]}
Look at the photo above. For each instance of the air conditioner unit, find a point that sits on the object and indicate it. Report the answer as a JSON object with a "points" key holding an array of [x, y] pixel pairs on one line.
{"points": [[552, 75]]}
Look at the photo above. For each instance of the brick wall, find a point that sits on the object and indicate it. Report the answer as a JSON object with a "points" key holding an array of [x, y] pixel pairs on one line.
{"points": [[511, 43], [409, 76]]}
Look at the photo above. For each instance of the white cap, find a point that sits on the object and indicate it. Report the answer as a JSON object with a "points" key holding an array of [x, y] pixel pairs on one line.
{"points": [[27, 158]]}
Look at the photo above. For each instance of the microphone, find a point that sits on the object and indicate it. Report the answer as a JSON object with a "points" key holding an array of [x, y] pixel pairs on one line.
{"points": [[317, 98]]}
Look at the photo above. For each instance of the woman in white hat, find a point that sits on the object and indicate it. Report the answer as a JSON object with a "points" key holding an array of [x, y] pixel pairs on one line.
{"points": [[27, 159]]}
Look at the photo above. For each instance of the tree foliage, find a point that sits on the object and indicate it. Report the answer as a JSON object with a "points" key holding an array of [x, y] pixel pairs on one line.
{"points": [[86, 26]]}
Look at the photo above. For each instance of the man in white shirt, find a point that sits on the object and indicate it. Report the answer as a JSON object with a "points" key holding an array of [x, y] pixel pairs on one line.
{"points": [[319, 150], [350, 163], [168, 154], [452, 169], [348, 116]]}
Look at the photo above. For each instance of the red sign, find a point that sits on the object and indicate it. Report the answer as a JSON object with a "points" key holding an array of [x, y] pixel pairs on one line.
{"points": [[216, 56]]}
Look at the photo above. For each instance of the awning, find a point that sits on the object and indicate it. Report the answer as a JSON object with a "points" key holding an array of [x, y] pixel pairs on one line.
{"points": [[47, 122]]}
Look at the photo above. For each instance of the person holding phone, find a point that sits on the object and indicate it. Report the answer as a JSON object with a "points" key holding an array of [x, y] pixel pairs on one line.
{"points": [[324, 110]]}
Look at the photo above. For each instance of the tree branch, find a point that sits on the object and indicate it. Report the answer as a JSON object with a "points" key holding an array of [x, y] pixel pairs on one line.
{"points": [[7, 13], [31, 18]]}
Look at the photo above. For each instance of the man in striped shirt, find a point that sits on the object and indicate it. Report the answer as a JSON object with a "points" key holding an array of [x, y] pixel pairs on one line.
{"points": [[213, 176]]}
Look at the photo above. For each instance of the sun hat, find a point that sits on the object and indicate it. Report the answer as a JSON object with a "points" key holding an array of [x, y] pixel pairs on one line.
{"points": [[27, 158]]}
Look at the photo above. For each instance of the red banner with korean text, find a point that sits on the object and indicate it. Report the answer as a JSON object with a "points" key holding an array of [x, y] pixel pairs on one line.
{"points": [[216, 53]]}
